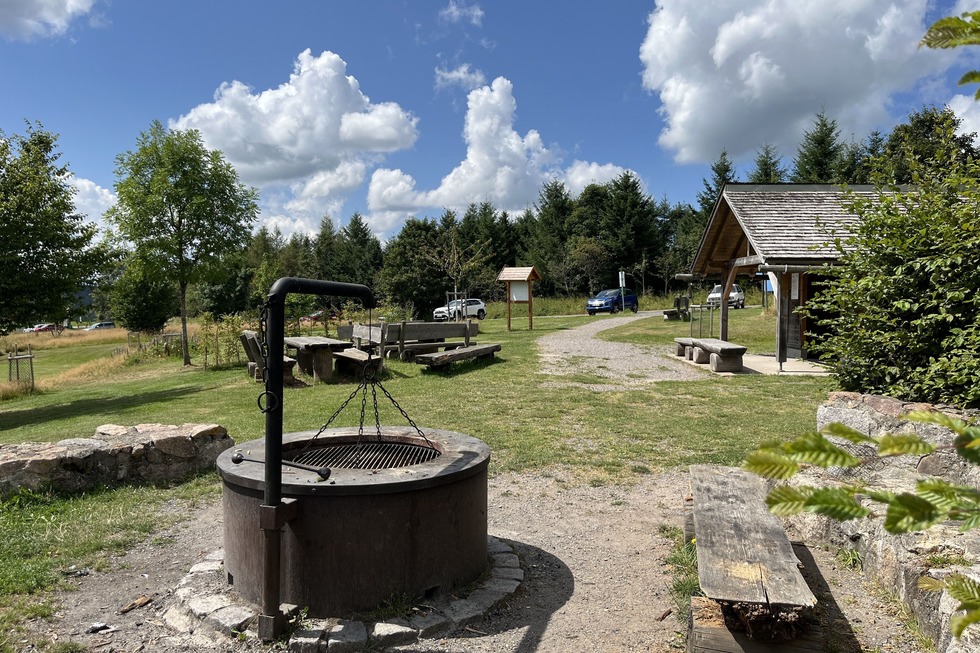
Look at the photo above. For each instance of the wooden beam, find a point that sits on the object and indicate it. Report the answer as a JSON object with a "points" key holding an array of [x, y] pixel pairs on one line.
{"points": [[746, 261]]}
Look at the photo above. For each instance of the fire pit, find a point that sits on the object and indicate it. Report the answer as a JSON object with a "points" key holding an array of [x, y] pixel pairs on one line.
{"points": [[397, 514]]}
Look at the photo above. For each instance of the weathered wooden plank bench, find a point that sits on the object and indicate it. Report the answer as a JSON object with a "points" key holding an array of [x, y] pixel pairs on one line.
{"points": [[722, 355], [745, 560], [256, 363], [442, 359], [368, 346], [430, 337]]}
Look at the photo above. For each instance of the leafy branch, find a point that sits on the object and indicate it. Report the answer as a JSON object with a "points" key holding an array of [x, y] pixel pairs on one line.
{"points": [[933, 500]]}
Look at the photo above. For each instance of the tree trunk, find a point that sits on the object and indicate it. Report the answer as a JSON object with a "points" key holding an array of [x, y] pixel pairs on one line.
{"points": [[184, 344]]}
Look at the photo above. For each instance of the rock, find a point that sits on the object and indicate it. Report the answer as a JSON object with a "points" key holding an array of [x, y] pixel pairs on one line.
{"points": [[347, 636]]}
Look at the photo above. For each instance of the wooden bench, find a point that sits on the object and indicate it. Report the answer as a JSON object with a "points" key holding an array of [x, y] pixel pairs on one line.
{"points": [[681, 310], [415, 338], [256, 363], [684, 346], [442, 359], [722, 355], [746, 562], [368, 342]]}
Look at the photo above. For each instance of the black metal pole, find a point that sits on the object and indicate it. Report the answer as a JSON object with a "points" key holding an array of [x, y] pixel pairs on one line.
{"points": [[272, 621]]}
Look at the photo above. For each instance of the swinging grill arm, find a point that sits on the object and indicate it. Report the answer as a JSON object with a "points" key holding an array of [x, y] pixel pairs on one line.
{"points": [[273, 511]]}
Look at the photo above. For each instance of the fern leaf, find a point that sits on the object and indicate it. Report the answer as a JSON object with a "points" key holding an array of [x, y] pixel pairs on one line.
{"points": [[931, 417], [963, 588], [769, 464], [970, 518], [940, 493], [784, 500], [815, 449], [908, 512], [836, 503], [959, 622], [903, 443], [838, 430], [930, 584]]}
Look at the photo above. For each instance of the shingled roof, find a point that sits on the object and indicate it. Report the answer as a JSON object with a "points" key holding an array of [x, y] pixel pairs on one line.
{"points": [[779, 224]]}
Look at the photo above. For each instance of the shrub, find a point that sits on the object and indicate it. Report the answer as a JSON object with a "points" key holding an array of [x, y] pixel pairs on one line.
{"points": [[900, 316]]}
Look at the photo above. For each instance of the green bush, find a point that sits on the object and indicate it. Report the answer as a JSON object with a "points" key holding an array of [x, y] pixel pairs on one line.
{"points": [[900, 316]]}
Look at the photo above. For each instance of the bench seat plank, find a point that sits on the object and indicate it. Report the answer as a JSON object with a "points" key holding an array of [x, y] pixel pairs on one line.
{"points": [[743, 552], [721, 347], [440, 358]]}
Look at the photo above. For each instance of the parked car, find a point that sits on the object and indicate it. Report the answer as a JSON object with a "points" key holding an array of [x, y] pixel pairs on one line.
{"points": [[39, 328], [736, 298], [101, 325], [452, 311], [613, 301]]}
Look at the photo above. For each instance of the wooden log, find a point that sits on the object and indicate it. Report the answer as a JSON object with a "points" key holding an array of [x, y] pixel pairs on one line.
{"points": [[438, 359]]}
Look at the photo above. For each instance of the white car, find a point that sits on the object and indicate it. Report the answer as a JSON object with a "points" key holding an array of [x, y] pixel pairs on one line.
{"points": [[452, 311], [736, 298]]}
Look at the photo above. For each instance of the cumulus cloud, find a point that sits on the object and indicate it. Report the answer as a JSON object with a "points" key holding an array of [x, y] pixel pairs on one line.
{"points": [[29, 19], [582, 173], [501, 166], [735, 75], [91, 200], [461, 76], [317, 132], [968, 111], [458, 12]]}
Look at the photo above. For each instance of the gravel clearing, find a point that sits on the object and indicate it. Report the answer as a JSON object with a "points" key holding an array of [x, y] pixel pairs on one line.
{"points": [[578, 352], [596, 578]]}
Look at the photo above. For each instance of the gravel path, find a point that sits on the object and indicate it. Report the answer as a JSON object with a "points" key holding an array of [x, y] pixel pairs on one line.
{"points": [[578, 352]]}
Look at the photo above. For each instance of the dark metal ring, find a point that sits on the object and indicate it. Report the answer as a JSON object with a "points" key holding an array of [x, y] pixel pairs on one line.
{"points": [[267, 408]]}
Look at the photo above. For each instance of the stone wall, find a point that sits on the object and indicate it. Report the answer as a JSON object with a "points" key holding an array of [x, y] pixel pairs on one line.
{"points": [[896, 562], [115, 455]]}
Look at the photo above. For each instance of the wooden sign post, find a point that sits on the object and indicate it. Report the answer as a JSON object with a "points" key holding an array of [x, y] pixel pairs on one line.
{"points": [[519, 282]]}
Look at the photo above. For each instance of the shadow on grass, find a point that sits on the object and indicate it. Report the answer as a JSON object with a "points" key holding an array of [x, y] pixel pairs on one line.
{"points": [[92, 406]]}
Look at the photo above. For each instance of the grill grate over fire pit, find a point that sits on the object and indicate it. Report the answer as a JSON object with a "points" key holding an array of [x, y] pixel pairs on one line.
{"points": [[367, 455]]}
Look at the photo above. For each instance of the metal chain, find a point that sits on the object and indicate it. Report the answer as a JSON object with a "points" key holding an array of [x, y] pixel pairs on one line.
{"points": [[272, 401], [368, 377]]}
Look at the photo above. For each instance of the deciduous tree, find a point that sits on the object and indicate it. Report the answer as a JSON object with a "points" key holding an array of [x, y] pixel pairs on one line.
{"points": [[183, 208]]}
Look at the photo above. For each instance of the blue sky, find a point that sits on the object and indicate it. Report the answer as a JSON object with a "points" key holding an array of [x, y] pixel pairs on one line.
{"points": [[398, 108]]}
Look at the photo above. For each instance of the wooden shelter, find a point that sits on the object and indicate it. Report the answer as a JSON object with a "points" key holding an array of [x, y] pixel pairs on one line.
{"points": [[786, 231], [519, 282]]}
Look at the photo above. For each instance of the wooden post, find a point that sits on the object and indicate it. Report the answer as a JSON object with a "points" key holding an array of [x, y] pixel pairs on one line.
{"points": [[530, 308]]}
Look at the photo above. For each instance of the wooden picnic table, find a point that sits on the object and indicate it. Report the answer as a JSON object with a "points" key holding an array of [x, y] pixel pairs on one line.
{"points": [[314, 354]]}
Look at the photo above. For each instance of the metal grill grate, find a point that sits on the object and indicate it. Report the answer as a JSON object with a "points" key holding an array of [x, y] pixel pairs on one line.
{"points": [[367, 455]]}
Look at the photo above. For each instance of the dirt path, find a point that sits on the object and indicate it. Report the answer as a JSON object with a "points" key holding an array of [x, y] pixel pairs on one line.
{"points": [[596, 579]]}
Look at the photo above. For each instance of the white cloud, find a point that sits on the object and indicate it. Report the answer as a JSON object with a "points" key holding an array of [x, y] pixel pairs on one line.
{"points": [[317, 133], [91, 200], [968, 111], [736, 74], [461, 76], [28, 19], [582, 173], [501, 167], [456, 12]]}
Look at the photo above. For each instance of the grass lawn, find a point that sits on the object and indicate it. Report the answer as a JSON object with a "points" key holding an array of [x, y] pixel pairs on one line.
{"points": [[608, 437]]}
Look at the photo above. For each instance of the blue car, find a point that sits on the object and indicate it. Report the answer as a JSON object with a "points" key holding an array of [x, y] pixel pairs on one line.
{"points": [[612, 301]]}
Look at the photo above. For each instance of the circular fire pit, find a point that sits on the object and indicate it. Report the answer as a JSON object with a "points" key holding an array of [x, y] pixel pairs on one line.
{"points": [[396, 516]]}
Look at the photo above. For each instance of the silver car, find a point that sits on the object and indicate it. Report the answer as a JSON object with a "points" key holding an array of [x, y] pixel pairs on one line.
{"points": [[736, 298]]}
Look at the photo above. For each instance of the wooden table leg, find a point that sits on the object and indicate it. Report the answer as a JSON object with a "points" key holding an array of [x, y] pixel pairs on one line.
{"points": [[304, 359], [322, 364]]}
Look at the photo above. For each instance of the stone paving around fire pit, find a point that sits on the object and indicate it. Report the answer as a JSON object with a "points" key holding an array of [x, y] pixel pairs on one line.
{"points": [[204, 600]]}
